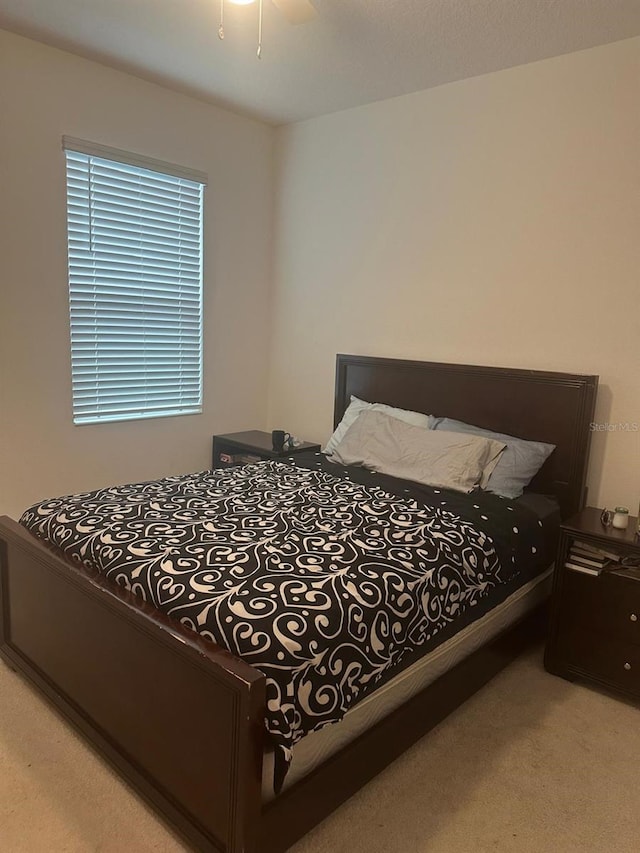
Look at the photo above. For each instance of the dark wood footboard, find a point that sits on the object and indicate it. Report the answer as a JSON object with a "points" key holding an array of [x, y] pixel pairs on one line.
{"points": [[180, 718]]}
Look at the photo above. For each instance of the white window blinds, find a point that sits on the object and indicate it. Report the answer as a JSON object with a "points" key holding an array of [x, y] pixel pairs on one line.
{"points": [[135, 285]]}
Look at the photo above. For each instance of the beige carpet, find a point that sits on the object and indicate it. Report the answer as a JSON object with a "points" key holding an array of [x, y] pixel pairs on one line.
{"points": [[531, 763]]}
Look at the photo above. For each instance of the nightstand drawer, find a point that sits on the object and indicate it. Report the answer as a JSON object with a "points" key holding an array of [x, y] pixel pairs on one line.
{"points": [[607, 605], [614, 662]]}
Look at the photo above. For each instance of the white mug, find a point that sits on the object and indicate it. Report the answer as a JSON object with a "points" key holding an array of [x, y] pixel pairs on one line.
{"points": [[620, 517]]}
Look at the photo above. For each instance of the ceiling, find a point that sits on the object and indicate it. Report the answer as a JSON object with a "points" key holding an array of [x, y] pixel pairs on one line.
{"points": [[352, 53]]}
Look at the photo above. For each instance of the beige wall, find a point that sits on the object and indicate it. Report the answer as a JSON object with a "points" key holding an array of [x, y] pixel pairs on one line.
{"points": [[492, 221], [45, 93]]}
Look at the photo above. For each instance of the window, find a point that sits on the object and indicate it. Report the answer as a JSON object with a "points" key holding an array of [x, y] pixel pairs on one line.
{"points": [[135, 285]]}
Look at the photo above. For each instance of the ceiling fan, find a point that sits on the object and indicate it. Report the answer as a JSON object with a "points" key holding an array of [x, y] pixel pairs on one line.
{"points": [[295, 11]]}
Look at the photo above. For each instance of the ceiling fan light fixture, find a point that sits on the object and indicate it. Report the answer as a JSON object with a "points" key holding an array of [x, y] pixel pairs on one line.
{"points": [[295, 11]]}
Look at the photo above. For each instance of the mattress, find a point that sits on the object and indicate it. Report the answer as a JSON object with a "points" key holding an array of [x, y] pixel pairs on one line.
{"points": [[319, 746]]}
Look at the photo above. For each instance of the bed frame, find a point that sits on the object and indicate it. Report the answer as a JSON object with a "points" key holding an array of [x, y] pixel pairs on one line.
{"points": [[182, 719]]}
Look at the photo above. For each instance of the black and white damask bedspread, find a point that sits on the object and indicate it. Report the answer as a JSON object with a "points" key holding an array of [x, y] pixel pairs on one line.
{"points": [[328, 581]]}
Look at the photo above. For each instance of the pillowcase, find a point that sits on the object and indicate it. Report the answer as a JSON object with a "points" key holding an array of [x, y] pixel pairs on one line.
{"points": [[443, 459], [357, 406], [517, 466]]}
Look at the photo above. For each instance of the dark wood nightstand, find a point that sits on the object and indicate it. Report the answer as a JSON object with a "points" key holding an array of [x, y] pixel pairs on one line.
{"points": [[241, 448], [595, 617]]}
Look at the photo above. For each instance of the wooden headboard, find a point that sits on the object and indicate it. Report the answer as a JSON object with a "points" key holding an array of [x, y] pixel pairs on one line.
{"points": [[531, 404]]}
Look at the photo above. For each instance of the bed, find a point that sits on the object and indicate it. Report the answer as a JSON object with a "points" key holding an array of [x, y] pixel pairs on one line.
{"points": [[182, 718]]}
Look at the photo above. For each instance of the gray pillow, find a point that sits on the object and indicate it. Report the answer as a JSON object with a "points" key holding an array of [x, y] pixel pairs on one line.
{"points": [[516, 467], [445, 459], [357, 406]]}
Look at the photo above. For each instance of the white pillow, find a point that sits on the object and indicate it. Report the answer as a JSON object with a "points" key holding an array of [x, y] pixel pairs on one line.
{"points": [[357, 406], [449, 460]]}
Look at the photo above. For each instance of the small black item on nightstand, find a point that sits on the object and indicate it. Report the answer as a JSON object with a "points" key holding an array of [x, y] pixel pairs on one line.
{"points": [[595, 612], [280, 439], [242, 448]]}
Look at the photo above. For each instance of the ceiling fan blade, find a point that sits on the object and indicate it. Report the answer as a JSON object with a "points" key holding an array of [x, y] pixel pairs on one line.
{"points": [[296, 11]]}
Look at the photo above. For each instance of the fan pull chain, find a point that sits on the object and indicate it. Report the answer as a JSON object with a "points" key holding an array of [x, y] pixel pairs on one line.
{"points": [[221, 27], [260, 10], [259, 51]]}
